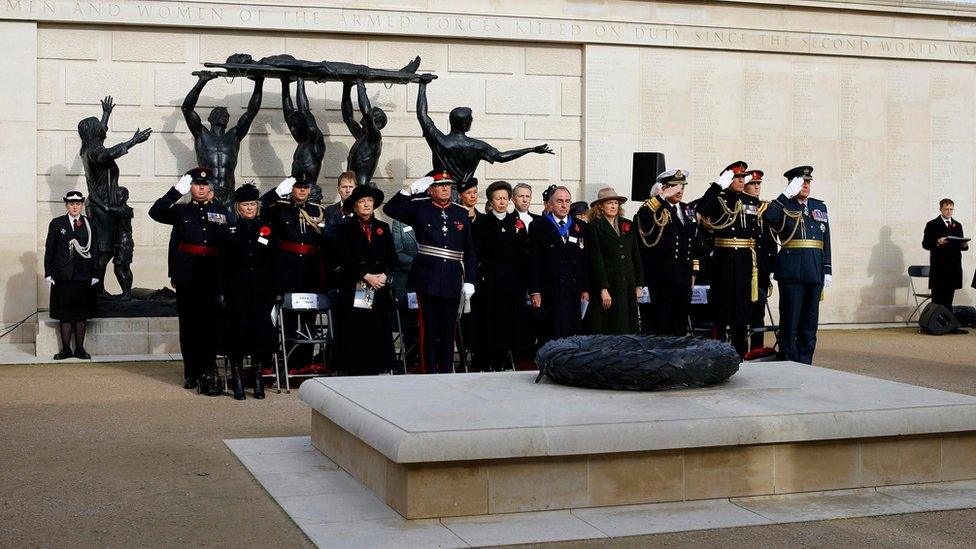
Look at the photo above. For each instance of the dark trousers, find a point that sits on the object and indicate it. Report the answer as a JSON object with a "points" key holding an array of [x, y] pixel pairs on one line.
{"points": [[757, 340], [943, 296], [799, 314], [669, 308], [197, 310], [438, 318]]}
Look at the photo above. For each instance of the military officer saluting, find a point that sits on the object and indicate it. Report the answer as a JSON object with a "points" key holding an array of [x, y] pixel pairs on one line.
{"points": [[668, 230], [296, 225], [444, 268], [802, 265], [199, 228], [733, 218], [766, 258]]}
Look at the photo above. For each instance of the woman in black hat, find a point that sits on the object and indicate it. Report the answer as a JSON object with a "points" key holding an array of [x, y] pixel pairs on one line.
{"points": [[70, 256], [365, 256], [247, 291]]}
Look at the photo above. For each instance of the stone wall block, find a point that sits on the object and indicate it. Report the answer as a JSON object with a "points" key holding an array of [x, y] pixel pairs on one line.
{"points": [[554, 61], [87, 85], [483, 58], [394, 54], [521, 96], [151, 47], [571, 98], [549, 129], [171, 86], [445, 94], [69, 43]]}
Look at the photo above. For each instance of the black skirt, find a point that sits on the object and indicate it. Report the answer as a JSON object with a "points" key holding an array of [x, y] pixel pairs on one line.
{"points": [[73, 301]]}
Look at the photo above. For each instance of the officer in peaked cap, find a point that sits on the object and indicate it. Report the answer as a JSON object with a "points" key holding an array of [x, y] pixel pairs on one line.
{"points": [[670, 250], [732, 216], [802, 265], [766, 258], [199, 229], [444, 269], [297, 225]]}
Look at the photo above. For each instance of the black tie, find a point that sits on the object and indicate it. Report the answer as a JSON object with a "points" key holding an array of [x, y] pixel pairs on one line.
{"points": [[562, 223]]}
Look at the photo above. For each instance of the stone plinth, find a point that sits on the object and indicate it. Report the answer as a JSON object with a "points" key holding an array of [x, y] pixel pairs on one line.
{"points": [[116, 336], [451, 445]]}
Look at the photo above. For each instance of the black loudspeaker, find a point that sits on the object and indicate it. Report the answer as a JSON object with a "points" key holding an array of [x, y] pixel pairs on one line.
{"points": [[647, 166], [937, 320]]}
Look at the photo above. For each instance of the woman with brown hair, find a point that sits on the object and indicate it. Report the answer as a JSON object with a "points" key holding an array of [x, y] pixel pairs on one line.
{"points": [[616, 272], [501, 241]]}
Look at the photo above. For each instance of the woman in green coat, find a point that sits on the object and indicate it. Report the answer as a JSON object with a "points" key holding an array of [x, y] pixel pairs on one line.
{"points": [[616, 274]]}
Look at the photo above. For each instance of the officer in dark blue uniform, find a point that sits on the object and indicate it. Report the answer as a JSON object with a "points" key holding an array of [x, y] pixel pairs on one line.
{"points": [[444, 269], [766, 249], [732, 216], [557, 279], [669, 245], [802, 265], [298, 265], [199, 228]]}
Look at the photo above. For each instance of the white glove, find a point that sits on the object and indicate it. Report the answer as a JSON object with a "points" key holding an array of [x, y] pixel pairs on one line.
{"points": [[49, 280], [794, 187], [725, 179], [284, 188], [747, 179], [94, 281], [183, 185], [420, 186], [468, 290], [826, 280], [656, 189]]}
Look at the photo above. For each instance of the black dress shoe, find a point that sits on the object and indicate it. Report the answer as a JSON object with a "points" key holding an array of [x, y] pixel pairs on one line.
{"points": [[81, 353], [959, 331], [190, 383], [63, 354]]}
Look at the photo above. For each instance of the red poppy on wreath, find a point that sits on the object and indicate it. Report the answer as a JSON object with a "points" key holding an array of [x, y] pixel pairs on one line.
{"points": [[264, 230], [519, 225], [379, 230], [625, 227]]}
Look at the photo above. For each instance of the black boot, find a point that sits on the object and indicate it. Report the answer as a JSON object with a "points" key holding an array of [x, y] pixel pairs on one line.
{"points": [[258, 381], [189, 383], [236, 383]]}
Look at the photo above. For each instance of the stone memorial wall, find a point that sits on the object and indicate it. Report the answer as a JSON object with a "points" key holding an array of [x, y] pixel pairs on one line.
{"points": [[876, 94]]}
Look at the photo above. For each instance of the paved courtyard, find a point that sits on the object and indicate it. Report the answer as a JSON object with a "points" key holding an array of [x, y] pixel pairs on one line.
{"points": [[121, 455]]}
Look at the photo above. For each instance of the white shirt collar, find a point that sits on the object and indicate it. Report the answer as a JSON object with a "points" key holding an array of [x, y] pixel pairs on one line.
{"points": [[499, 215]]}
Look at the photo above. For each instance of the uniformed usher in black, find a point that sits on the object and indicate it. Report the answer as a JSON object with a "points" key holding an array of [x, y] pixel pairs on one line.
{"points": [[197, 235]]}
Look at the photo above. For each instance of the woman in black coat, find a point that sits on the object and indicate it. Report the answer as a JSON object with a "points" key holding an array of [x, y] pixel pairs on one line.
{"points": [[501, 242], [247, 292], [70, 256], [365, 257]]}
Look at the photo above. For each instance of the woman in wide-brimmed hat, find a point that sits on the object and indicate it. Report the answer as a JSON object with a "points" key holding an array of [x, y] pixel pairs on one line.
{"points": [[365, 256], [616, 273]]}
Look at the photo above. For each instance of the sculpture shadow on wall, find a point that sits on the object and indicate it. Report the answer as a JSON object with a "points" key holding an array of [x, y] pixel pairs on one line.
{"points": [[887, 272], [265, 161], [18, 285], [183, 153]]}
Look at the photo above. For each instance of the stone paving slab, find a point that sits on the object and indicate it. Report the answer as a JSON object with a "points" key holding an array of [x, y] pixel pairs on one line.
{"points": [[333, 513]]}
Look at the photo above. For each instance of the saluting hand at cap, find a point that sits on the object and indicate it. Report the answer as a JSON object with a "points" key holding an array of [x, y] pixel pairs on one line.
{"points": [[725, 179], [794, 187], [421, 185], [284, 188], [183, 185]]}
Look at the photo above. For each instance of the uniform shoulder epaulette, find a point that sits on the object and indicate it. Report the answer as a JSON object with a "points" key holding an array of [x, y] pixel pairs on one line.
{"points": [[652, 204], [763, 205]]}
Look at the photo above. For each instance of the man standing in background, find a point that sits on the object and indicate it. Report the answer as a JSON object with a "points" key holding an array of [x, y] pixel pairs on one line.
{"points": [[943, 239]]}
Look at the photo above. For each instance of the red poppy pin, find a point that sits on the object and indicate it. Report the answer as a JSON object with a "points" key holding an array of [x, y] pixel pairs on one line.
{"points": [[519, 225], [459, 225], [379, 230], [264, 231], [625, 227], [576, 228]]}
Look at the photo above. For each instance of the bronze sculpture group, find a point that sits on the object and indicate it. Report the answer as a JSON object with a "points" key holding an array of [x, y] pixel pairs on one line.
{"points": [[218, 146]]}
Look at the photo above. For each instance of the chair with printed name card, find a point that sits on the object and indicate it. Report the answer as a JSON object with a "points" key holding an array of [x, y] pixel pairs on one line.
{"points": [[318, 334]]}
